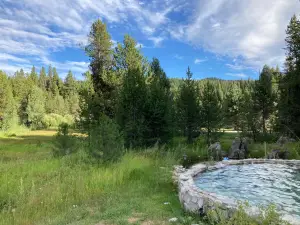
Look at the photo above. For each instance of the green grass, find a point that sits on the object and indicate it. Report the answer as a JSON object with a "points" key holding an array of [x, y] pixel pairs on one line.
{"points": [[36, 188]]}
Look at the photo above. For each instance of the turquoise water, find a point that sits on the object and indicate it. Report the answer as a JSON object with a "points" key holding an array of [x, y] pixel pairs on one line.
{"points": [[259, 184]]}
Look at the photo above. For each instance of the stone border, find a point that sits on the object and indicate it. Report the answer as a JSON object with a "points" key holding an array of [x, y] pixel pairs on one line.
{"points": [[198, 201]]}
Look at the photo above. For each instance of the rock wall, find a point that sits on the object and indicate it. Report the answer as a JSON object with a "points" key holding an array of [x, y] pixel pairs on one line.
{"points": [[198, 201]]}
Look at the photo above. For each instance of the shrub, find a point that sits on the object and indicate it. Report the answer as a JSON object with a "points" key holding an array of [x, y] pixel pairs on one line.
{"points": [[105, 142], [269, 138], [266, 216], [191, 157], [54, 120], [64, 143]]}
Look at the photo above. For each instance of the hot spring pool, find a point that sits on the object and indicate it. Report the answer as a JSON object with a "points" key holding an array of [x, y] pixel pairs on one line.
{"points": [[259, 184]]}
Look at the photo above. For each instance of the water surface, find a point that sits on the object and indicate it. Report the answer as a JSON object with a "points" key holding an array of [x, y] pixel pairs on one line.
{"points": [[259, 184]]}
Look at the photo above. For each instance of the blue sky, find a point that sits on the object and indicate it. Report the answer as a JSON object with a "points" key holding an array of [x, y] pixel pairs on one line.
{"points": [[228, 39]]}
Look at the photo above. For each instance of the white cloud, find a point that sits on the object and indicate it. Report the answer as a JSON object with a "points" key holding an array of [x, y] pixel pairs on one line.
{"points": [[176, 56], [198, 61], [253, 30], [239, 75], [37, 28], [156, 41], [237, 66], [5, 57], [63, 67], [140, 45]]}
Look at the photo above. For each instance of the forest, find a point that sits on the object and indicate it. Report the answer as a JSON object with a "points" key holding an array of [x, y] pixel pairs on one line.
{"points": [[123, 124], [136, 95]]}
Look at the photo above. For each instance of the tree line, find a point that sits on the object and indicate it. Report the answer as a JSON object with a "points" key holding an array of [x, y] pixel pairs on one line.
{"points": [[132, 97]]}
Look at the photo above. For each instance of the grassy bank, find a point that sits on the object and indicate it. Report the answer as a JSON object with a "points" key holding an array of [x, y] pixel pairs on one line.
{"points": [[36, 188]]}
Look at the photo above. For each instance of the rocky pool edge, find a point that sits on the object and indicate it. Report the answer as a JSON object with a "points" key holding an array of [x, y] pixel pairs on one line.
{"points": [[195, 200]]}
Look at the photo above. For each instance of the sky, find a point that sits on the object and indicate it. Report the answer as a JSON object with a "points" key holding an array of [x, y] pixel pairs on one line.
{"points": [[227, 39]]}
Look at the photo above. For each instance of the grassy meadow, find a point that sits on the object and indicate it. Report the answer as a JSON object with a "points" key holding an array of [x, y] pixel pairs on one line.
{"points": [[36, 188]]}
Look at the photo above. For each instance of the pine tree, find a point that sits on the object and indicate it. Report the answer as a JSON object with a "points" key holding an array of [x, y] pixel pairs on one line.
{"points": [[289, 105], [248, 114], [57, 84], [232, 101], [69, 85], [49, 81], [211, 111], [264, 97], [128, 56], [131, 108], [188, 107], [159, 106], [33, 76], [42, 79], [21, 87], [99, 50], [8, 111], [36, 107]]}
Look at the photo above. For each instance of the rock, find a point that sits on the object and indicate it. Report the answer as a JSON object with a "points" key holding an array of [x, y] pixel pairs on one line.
{"points": [[172, 220], [284, 140], [215, 151], [278, 154], [239, 149]]}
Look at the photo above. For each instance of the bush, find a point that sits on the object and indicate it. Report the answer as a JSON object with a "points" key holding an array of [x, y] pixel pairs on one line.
{"points": [[191, 157], [64, 143], [266, 216], [105, 142], [269, 138], [54, 120]]}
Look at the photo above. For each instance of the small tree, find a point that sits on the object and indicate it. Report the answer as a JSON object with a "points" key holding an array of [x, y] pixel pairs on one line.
{"points": [[188, 107], [36, 107], [131, 108], [264, 97], [105, 141], [64, 143], [211, 110]]}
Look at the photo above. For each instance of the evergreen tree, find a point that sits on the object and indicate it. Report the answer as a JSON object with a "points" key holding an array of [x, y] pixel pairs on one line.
{"points": [[42, 79], [99, 50], [36, 107], [86, 98], [8, 112], [131, 108], [128, 56], [57, 84], [289, 105], [188, 107], [33, 76], [232, 101], [159, 106], [49, 81], [69, 85], [248, 114], [264, 96], [21, 87], [211, 110]]}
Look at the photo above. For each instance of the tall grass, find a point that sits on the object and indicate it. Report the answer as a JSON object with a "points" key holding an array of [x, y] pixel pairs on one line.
{"points": [[52, 191], [36, 188]]}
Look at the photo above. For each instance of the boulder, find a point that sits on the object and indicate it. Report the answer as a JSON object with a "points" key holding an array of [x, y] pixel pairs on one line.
{"points": [[215, 151], [239, 149], [278, 154], [284, 140]]}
